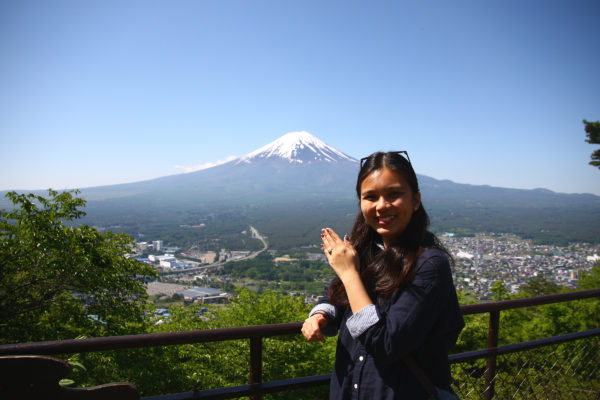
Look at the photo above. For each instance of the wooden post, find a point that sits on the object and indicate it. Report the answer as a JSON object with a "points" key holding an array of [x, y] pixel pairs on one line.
{"points": [[256, 364], [490, 372]]}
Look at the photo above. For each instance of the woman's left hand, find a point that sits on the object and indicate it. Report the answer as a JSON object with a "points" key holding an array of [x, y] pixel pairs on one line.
{"points": [[341, 255]]}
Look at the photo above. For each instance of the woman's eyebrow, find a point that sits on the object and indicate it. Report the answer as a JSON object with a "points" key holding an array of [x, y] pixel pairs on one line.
{"points": [[384, 188], [394, 187], [391, 187]]}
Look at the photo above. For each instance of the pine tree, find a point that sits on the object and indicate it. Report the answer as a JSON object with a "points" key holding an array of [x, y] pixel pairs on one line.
{"points": [[592, 130]]}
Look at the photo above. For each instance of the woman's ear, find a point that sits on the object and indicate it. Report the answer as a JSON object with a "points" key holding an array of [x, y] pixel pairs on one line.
{"points": [[417, 201]]}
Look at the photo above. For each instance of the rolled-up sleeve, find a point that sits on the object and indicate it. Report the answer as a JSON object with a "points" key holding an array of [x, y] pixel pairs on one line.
{"points": [[362, 320], [412, 312], [331, 328], [325, 307]]}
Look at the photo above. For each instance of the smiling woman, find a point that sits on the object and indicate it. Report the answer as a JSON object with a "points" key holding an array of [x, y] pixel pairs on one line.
{"points": [[393, 301], [387, 203]]}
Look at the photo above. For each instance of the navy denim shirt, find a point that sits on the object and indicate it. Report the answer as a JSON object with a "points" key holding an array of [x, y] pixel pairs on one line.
{"points": [[422, 319]]}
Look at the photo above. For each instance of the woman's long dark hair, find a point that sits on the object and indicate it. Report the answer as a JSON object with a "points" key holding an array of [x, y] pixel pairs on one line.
{"points": [[383, 271]]}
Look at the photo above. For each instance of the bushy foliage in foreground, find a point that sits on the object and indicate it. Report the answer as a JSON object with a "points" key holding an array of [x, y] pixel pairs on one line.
{"points": [[59, 281], [180, 368]]}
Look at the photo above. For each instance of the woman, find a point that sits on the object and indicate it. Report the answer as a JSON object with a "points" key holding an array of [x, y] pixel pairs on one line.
{"points": [[393, 296]]}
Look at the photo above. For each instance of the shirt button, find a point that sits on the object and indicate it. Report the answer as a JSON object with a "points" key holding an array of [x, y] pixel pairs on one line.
{"points": [[361, 358], [356, 386]]}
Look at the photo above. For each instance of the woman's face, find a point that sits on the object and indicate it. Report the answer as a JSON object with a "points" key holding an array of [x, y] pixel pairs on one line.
{"points": [[387, 202]]}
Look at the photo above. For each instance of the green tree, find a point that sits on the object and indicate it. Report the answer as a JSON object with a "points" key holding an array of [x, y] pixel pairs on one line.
{"points": [[539, 286], [589, 310], [176, 369], [61, 281], [590, 279], [592, 130], [499, 291]]}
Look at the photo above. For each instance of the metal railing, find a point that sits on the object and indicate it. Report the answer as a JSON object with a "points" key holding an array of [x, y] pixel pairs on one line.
{"points": [[256, 388], [493, 350]]}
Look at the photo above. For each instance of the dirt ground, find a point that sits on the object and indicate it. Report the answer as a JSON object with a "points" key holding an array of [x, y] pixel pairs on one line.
{"points": [[168, 289]]}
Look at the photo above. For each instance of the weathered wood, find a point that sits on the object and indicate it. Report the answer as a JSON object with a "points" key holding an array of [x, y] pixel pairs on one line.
{"points": [[37, 377]]}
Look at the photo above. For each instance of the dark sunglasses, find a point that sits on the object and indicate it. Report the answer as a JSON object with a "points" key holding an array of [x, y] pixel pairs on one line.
{"points": [[402, 153]]}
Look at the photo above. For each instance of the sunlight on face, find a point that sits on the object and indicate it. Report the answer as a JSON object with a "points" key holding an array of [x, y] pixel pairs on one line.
{"points": [[387, 202]]}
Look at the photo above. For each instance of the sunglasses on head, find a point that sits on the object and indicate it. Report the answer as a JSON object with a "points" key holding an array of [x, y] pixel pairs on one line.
{"points": [[402, 153]]}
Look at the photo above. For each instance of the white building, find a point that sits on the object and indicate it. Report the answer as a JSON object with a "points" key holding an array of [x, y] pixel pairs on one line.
{"points": [[167, 263], [157, 245]]}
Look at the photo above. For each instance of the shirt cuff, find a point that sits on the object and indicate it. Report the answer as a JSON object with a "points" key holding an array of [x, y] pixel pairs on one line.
{"points": [[362, 320], [330, 329], [328, 308]]}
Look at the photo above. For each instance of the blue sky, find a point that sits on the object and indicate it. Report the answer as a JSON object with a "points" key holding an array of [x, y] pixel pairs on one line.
{"points": [[105, 92]]}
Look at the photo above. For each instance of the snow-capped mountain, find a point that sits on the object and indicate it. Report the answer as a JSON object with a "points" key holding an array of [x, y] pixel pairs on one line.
{"points": [[297, 184], [295, 165], [298, 148]]}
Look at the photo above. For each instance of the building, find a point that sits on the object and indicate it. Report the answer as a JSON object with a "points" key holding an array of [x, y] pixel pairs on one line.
{"points": [[157, 245], [142, 246], [316, 257], [203, 295], [167, 262]]}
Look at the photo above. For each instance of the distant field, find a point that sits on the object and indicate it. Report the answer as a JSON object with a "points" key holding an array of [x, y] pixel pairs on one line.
{"points": [[168, 289]]}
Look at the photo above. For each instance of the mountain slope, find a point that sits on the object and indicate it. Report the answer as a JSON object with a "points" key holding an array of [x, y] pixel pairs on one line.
{"points": [[297, 184], [295, 163]]}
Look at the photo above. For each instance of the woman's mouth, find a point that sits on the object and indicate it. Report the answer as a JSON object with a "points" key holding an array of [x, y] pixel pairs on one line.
{"points": [[382, 221]]}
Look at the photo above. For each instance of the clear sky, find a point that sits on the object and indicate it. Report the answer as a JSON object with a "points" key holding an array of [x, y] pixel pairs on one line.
{"points": [[481, 92]]}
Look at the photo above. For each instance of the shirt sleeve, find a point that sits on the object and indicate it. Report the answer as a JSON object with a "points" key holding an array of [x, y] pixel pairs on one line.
{"points": [[402, 327], [362, 320], [331, 328]]}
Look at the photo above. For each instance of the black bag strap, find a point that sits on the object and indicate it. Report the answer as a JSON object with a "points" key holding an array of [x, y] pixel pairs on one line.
{"points": [[420, 375]]}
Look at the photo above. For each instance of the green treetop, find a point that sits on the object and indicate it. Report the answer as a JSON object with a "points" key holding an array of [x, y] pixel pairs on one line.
{"points": [[59, 281]]}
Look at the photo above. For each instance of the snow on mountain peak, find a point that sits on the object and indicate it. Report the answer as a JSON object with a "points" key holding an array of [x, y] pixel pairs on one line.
{"points": [[297, 147]]}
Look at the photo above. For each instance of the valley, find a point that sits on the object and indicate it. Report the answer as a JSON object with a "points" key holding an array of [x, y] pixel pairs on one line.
{"points": [[255, 221], [479, 261]]}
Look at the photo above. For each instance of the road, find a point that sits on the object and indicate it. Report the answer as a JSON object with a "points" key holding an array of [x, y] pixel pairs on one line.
{"points": [[254, 233]]}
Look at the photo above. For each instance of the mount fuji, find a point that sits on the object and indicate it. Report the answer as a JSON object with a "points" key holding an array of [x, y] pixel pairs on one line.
{"points": [[297, 184], [299, 148], [295, 166], [291, 187]]}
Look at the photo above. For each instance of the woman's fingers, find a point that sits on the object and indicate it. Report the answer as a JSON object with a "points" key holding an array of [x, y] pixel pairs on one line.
{"points": [[311, 329], [347, 240], [330, 236], [330, 240], [326, 245]]}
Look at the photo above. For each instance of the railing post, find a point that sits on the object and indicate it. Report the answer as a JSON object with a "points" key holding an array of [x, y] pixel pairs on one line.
{"points": [[256, 364], [490, 372]]}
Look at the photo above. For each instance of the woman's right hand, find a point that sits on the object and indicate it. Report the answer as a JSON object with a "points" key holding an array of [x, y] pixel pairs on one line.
{"points": [[311, 329], [340, 253]]}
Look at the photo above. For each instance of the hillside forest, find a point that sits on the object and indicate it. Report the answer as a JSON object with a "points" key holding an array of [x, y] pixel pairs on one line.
{"points": [[74, 281]]}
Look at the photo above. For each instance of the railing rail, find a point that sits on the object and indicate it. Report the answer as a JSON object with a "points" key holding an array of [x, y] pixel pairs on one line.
{"points": [[528, 302], [522, 346], [150, 339], [256, 388]]}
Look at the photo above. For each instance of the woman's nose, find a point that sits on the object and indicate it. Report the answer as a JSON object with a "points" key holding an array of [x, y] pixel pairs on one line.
{"points": [[381, 203]]}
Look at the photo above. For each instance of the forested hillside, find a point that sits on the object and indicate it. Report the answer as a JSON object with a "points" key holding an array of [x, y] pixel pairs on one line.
{"points": [[75, 282]]}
